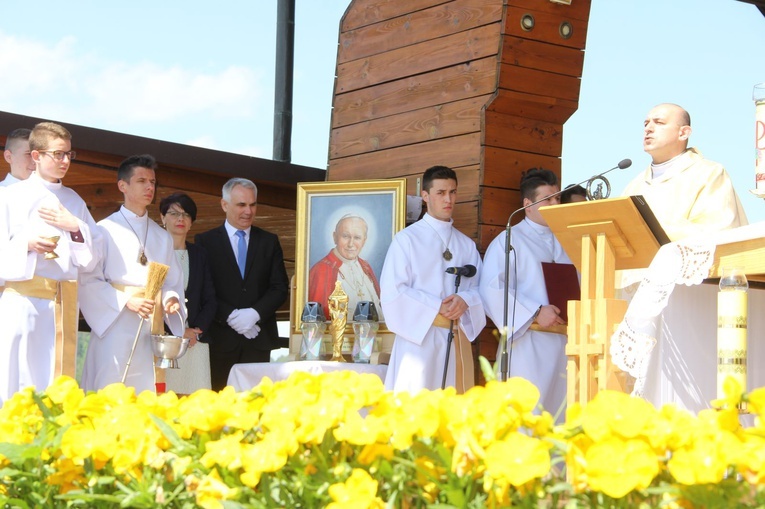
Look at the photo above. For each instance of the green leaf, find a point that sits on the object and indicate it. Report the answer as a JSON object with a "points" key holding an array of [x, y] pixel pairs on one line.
{"points": [[17, 453], [14, 503], [181, 445]]}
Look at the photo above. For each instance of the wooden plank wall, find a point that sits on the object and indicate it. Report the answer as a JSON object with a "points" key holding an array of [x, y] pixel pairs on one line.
{"points": [[459, 83], [538, 90], [412, 79]]}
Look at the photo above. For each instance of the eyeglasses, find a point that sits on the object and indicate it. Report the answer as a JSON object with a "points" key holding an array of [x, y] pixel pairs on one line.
{"points": [[59, 155], [176, 215]]}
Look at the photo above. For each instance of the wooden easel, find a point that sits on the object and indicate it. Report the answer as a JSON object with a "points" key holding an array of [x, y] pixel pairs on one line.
{"points": [[600, 237]]}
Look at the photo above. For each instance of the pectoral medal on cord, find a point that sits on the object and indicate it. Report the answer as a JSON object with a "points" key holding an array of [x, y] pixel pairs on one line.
{"points": [[446, 254], [142, 245]]}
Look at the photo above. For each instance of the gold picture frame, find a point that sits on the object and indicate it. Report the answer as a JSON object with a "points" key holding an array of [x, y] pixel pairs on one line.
{"points": [[320, 205]]}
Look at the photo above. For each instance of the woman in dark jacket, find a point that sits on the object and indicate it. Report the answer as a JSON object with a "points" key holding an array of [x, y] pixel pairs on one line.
{"points": [[179, 212]]}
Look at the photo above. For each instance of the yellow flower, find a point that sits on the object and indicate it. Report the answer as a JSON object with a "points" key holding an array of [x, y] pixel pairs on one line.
{"points": [[517, 459], [616, 467], [211, 490], [465, 456], [733, 394], [616, 413], [20, 418], [373, 451], [65, 392], [408, 417], [358, 430], [226, 451], [359, 491], [428, 476], [67, 475], [756, 401], [752, 460], [705, 459]]}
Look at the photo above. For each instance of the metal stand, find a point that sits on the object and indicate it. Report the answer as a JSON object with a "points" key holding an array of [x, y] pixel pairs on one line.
{"points": [[457, 280]]}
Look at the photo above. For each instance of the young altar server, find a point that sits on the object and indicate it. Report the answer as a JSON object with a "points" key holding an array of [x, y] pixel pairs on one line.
{"points": [[537, 356], [38, 308], [111, 295], [418, 298]]}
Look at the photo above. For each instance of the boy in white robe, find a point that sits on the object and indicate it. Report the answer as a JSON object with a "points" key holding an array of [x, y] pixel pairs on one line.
{"points": [[418, 296], [537, 356], [18, 156], [39, 286], [108, 295]]}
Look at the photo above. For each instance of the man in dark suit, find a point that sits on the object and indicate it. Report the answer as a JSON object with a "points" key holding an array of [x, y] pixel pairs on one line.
{"points": [[250, 281]]}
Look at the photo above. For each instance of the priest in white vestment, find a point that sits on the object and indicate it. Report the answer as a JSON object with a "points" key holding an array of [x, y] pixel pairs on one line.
{"points": [[418, 296], [688, 194], [693, 198], [535, 355], [111, 297], [38, 209]]}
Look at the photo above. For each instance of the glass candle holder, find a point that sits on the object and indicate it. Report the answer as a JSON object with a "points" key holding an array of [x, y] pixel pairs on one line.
{"points": [[365, 327], [312, 328]]}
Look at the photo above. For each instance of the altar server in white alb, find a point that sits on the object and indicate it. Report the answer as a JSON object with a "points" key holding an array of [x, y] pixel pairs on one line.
{"points": [[18, 156], [418, 295], [111, 295], [38, 308], [537, 356]]}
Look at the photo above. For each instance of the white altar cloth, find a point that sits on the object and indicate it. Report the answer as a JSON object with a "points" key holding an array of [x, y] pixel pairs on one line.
{"points": [[668, 338], [246, 376]]}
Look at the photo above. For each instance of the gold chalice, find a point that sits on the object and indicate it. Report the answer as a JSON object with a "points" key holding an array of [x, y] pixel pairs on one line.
{"points": [[52, 255]]}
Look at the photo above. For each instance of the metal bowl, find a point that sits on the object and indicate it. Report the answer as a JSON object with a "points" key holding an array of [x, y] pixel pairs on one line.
{"points": [[168, 349]]}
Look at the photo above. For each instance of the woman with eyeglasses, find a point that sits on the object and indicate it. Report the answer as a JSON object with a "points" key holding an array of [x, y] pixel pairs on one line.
{"points": [[178, 212]]}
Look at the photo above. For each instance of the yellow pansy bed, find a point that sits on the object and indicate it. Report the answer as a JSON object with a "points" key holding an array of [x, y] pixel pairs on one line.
{"points": [[339, 440]]}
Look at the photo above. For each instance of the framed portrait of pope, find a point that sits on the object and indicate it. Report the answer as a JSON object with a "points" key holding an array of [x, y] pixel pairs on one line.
{"points": [[344, 229]]}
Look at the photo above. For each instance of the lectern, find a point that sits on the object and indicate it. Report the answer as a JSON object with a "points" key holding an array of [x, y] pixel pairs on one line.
{"points": [[600, 237]]}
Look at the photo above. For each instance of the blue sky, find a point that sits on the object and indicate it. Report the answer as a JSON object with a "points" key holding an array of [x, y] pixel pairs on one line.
{"points": [[202, 73]]}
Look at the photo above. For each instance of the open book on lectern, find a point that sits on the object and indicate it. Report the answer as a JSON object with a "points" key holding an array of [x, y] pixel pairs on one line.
{"points": [[628, 223]]}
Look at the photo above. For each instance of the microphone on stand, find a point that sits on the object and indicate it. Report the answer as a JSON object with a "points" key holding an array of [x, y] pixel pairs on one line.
{"points": [[466, 271], [504, 361], [460, 272]]}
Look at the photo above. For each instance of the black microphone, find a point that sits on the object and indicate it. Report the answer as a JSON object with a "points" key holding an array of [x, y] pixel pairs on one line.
{"points": [[624, 163], [466, 271]]}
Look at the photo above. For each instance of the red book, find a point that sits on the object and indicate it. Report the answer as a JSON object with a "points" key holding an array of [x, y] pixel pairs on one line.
{"points": [[562, 283]]}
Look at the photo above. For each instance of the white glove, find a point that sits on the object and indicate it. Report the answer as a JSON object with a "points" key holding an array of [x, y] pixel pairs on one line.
{"points": [[232, 316], [252, 333], [242, 320]]}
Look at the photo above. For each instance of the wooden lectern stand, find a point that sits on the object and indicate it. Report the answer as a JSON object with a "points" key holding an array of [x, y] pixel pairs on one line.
{"points": [[600, 237]]}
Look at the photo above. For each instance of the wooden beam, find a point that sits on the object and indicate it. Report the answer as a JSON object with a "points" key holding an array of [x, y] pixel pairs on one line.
{"points": [[428, 55], [442, 121], [542, 56], [362, 14], [523, 134], [408, 160], [421, 91], [532, 106]]}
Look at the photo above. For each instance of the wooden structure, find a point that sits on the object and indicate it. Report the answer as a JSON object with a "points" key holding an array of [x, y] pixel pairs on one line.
{"points": [[482, 86], [601, 237], [197, 171]]}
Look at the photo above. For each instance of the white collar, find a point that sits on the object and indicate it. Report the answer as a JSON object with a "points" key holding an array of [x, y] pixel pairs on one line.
{"points": [[231, 230]]}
